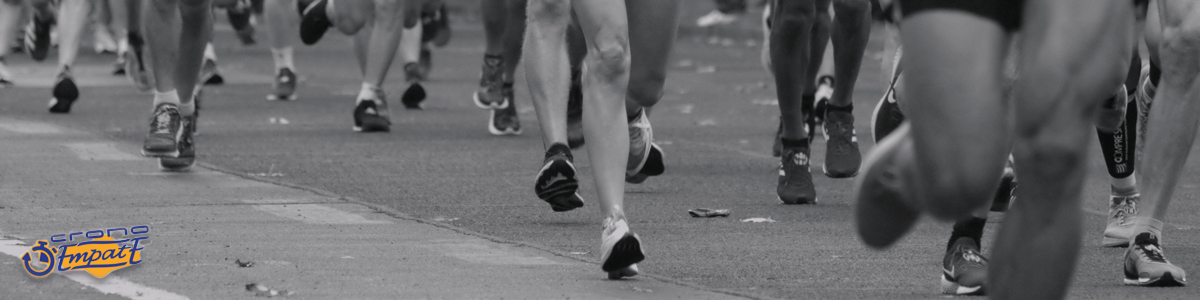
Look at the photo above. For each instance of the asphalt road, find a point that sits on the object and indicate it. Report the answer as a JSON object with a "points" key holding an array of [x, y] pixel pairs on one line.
{"points": [[440, 165]]}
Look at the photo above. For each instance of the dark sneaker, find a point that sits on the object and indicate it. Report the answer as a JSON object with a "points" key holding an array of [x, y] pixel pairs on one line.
{"points": [[313, 22], [239, 18], [1145, 264], [1121, 212], [556, 183], [435, 26], [964, 269], [186, 146], [882, 211], [575, 113], [842, 157], [209, 74], [490, 93], [37, 36], [414, 95], [165, 132], [504, 121], [65, 93], [371, 115], [620, 249], [1007, 191], [795, 178], [285, 86], [887, 116], [135, 66], [823, 94]]}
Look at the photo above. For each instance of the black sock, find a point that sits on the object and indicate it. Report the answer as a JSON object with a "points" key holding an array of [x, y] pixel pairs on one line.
{"points": [[972, 228], [1155, 73], [1118, 146], [1135, 70], [833, 107], [791, 144]]}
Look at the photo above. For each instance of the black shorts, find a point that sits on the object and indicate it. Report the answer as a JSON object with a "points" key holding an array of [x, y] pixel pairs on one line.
{"points": [[1007, 13]]}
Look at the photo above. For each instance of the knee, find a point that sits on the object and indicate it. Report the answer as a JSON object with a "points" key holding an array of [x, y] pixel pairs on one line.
{"points": [[389, 12], [973, 182], [1178, 48], [552, 13], [609, 58]]}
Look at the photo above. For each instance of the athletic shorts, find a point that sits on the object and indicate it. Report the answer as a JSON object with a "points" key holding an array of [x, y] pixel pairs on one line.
{"points": [[1007, 13]]}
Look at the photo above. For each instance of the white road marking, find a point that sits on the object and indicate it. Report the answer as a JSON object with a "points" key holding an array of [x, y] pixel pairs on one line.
{"points": [[109, 284], [483, 252], [28, 127], [313, 213], [100, 151]]}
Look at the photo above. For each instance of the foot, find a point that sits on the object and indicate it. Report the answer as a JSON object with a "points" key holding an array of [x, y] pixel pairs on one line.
{"points": [[842, 157], [65, 93], [964, 269], [186, 146], [239, 18], [414, 95], [104, 41], [314, 22], [887, 116], [37, 36], [556, 183], [371, 115], [209, 73], [824, 92], [645, 157], [1145, 264], [285, 86], [165, 132], [795, 178], [1121, 212], [620, 249], [489, 95], [882, 212], [504, 121], [575, 113]]}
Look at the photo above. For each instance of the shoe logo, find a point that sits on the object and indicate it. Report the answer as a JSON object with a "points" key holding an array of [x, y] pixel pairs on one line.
{"points": [[800, 159], [99, 255], [972, 257], [554, 179]]}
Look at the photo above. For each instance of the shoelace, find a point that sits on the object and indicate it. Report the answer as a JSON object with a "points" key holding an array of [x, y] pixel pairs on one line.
{"points": [[1152, 252], [1125, 209], [162, 121], [842, 133]]}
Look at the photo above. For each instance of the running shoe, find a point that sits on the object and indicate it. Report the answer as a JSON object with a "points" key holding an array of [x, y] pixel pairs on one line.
{"points": [[1121, 212], [414, 95], [823, 94], [842, 157], [555, 182], [1112, 114], [5, 77], [575, 112], [371, 115], [645, 157], [491, 82], [103, 41], [1145, 264], [435, 26], [165, 132], [1006, 193], [424, 63], [37, 36], [65, 93], [504, 121], [620, 249], [313, 21], [795, 177], [285, 86], [881, 210], [209, 74], [887, 116], [239, 18], [716, 18], [135, 66], [1144, 97], [964, 269], [186, 146]]}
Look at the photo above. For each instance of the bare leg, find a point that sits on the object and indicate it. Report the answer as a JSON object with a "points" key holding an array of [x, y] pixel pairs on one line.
{"points": [[282, 21], [10, 15], [549, 76], [850, 31], [72, 18], [653, 24]]}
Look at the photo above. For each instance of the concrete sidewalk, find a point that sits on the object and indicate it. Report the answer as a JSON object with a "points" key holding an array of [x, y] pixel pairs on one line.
{"points": [[56, 180]]}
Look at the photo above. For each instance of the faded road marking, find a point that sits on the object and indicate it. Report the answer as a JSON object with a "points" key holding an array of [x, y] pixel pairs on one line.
{"points": [[100, 151], [482, 252], [28, 127], [108, 285], [315, 214]]}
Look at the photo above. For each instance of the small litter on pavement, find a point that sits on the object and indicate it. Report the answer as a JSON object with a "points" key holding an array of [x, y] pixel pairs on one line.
{"points": [[580, 253], [444, 219], [708, 213], [264, 291], [758, 220], [244, 264]]}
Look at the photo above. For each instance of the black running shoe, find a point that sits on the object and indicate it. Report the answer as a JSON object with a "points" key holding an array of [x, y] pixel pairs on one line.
{"points": [[556, 183], [285, 86], [575, 112], [186, 146], [842, 157], [165, 132], [795, 178], [504, 121], [1145, 264], [239, 18], [65, 93], [372, 115], [37, 36], [314, 22], [964, 269], [620, 249], [209, 73], [414, 95]]}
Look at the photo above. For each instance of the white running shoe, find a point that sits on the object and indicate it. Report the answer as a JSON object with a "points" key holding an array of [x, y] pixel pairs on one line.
{"points": [[620, 249]]}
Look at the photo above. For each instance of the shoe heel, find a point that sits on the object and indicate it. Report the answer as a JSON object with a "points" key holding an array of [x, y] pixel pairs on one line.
{"points": [[625, 252]]}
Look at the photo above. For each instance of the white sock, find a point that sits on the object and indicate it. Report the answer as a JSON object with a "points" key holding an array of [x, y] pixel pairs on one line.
{"points": [[1125, 186], [209, 52], [171, 97], [283, 58], [410, 44], [367, 92]]}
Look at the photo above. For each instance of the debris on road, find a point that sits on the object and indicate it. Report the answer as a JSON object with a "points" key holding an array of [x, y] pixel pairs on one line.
{"points": [[264, 291], [708, 213], [444, 219], [706, 69], [758, 220], [244, 264]]}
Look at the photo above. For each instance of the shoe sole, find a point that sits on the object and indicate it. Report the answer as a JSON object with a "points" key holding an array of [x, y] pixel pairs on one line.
{"points": [[880, 223], [65, 93], [626, 252], [561, 201], [177, 164], [160, 154], [653, 166], [952, 288], [796, 202], [413, 96], [629, 271], [1167, 280], [480, 104], [497, 131]]}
